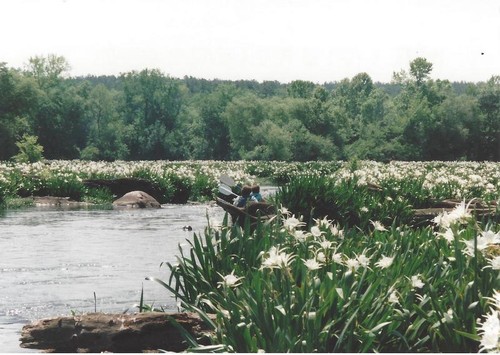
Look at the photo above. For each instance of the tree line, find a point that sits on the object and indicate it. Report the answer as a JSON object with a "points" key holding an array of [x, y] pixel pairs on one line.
{"points": [[148, 115]]}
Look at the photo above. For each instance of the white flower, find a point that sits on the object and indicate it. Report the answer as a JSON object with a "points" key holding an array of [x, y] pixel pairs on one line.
{"points": [[416, 282], [230, 280], [352, 264], [385, 262], [363, 209], [315, 231], [489, 330], [337, 258], [277, 259], [323, 222], [458, 215], [311, 315], [312, 264], [494, 263], [326, 244], [284, 211], [490, 238], [378, 226], [447, 235], [291, 223], [484, 240], [336, 232], [300, 235], [321, 257], [393, 297], [496, 299], [364, 261]]}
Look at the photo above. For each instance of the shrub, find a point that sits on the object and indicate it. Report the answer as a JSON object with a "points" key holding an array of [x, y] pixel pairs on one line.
{"points": [[29, 150]]}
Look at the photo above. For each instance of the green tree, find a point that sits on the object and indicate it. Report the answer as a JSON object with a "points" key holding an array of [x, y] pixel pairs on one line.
{"points": [[420, 69], [151, 105], [106, 131], [18, 99], [489, 106], [214, 129], [301, 89], [271, 142], [29, 150], [47, 71], [242, 115]]}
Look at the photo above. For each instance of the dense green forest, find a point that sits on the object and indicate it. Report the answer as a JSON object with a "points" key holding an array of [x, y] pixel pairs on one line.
{"points": [[149, 115]]}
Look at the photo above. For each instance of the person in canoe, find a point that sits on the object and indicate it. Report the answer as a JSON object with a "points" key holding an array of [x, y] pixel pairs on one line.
{"points": [[245, 197], [256, 193]]}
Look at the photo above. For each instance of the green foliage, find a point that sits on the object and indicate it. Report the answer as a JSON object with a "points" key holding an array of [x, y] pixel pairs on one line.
{"points": [[98, 196], [267, 297], [90, 153], [347, 202], [63, 184], [148, 115], [29, 150]]}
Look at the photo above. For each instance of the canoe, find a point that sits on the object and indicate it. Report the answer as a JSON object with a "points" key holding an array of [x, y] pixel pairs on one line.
{"points": [[255, 211]]}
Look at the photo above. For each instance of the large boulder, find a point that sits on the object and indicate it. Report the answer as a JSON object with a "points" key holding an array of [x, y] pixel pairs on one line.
{"points": [[136, 199]]}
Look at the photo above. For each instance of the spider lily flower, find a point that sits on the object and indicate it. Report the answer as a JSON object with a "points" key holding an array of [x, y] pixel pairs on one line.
{"points": [[352, 264], [378, 226], [363, 260], [284, 211], [384, 262], [292, 223], [230, 280], [325, 244], [300, 235], [489, 331], [446, 235], [459, 215], [416, 282], [336, 232], [323, 222], [312, 264], [484, 240], [337, 257], [393, 298], [494, 263], [277, 259], [316, 232]]}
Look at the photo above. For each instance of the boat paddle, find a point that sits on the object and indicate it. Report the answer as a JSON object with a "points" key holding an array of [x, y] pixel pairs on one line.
{"points": [[227, 180], [226, 190]]}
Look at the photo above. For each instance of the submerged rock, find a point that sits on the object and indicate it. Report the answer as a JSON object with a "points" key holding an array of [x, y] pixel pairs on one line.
{"points": [[136, 199], [54, 201]]}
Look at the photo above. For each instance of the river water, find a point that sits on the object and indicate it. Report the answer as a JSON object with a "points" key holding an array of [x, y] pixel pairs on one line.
{"points": [[52, 261]]}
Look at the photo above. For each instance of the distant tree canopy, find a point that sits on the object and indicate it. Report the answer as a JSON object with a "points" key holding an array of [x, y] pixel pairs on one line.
{"points": [[149, 115]]}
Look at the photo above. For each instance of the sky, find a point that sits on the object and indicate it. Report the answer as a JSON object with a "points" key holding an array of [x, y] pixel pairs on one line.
{"points": [[284, 40]]}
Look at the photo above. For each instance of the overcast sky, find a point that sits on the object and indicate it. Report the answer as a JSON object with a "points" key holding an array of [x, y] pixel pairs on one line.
{"points": [[284, 40]]}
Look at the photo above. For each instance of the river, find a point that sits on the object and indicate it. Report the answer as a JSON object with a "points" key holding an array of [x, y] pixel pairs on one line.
{"points": [[52, 261]]}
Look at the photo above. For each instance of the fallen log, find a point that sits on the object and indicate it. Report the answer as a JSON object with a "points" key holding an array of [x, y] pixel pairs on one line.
{"points": [[100, 332]]}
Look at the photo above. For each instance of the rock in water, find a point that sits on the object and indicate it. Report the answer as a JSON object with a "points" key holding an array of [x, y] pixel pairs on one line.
{"points": [[136, 199]]}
